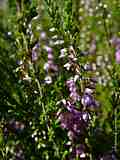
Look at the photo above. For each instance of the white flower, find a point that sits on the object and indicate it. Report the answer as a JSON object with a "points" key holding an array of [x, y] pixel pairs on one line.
{"points": [[62, 52], [63, 101], [52, 29], [27, 78], [46, 66], [36, 139], [86, 116], [35, 18], [43, 35], [48, 49], [88, 91], [48, 80], [58, 42], [67, 66], [9, 33], [76, 77], [82, 155], [55, 37]]}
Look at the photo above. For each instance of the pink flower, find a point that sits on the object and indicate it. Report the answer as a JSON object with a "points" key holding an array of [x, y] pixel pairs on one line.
{"points": [[117, 56]]}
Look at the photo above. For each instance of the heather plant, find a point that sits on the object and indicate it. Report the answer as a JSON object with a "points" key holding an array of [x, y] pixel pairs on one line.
{"points": [[59, 85]]}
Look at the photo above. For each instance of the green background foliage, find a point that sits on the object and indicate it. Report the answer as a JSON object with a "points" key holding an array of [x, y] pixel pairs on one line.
{"points": [[34, 103]]}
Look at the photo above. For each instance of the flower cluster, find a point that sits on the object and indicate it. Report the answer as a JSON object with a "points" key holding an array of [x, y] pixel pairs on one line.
{"points": [[76, 121], [76, 124], [50, 67], [88, 99]]}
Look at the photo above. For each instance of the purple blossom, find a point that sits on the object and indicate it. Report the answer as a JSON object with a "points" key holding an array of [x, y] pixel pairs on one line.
{"points": [[117, 56], [48, 49], [93, 47], [43, 35], [70, 82], [50, 56], [72, 89], [54, 67], [88, 91], [19, 62], [34, 52], [34, 55], [70, 107], [6, 133], [50, 67], [115, 41], [88, 67], [74, 96], [76, 122], [87, 100], [86, 116], [50, 61]]}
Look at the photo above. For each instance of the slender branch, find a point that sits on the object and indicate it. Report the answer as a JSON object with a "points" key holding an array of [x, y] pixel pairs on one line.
{"points": [[106, 29], [41, 95], [115, 129]]}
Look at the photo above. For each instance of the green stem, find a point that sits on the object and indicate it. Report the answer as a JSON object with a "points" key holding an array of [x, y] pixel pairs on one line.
{"points": [[91, 158], [40, 101], [41, 95], [115, 129]]}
